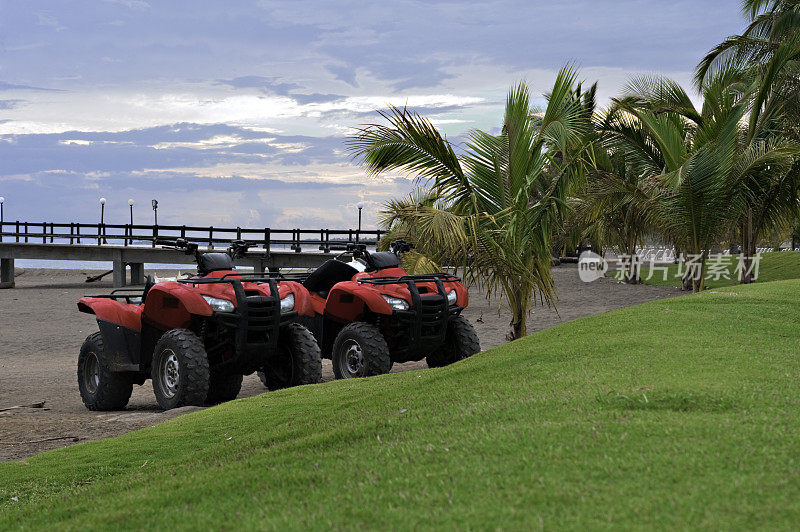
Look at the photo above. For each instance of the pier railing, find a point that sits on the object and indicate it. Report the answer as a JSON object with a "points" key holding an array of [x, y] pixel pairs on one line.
{"points": [[138, 235]]}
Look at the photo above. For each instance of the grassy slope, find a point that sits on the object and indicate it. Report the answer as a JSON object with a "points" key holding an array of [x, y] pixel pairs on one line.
{"points": [[682, 412], [775, 266]]}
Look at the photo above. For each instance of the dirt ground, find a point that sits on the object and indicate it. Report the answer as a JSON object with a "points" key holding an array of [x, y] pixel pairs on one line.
{"points": [[41, 332]]}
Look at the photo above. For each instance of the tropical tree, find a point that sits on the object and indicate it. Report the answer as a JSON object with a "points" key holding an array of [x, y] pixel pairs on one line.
{"points": [[617, 208], [707, 169], [768, 52], [493, 206]]}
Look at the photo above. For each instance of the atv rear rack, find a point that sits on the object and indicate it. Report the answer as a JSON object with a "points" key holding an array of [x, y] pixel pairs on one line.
{"points": [[120, 293]]}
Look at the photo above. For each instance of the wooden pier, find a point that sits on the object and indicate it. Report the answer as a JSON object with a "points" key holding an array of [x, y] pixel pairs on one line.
{"points": [[131, 246]]}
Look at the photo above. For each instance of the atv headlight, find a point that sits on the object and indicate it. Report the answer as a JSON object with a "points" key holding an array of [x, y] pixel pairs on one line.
{"points": [[451, 297], [396, 303], [219, 305], [287, 303]]}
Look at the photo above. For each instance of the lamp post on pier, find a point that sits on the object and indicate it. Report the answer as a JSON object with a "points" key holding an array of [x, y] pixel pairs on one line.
{"points": [[102, 218], [155, 211], [130, 203], [360, 206], [2, 200]]}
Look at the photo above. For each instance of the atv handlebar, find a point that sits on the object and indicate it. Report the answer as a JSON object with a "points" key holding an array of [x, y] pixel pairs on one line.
{"points": [[179, 244], [236, 250]]}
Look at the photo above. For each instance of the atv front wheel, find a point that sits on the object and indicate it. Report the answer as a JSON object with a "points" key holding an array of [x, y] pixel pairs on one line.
{"points": [[180, 370], [360, 350], [222, 388], [461, 342], [101, 389], [298, 360]]}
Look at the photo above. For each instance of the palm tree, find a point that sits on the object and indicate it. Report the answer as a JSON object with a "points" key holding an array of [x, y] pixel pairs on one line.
{"points": [[494, 206], [769, 52], [772, 23], [617, 207], [707, 169]]}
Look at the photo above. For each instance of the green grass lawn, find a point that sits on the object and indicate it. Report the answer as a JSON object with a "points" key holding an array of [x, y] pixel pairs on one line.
{"points": [[774, 266], [682, 413]]}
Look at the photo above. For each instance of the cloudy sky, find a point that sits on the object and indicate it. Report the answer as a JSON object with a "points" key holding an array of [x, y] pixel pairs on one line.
{"points": [[235, 113]]}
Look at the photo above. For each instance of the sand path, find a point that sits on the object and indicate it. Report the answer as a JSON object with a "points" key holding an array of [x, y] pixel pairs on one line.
{"points": [[41, 332]]}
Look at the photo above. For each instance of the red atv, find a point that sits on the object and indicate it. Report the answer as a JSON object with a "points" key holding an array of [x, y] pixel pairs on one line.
{"points": [[369, 313], [196, 337]]}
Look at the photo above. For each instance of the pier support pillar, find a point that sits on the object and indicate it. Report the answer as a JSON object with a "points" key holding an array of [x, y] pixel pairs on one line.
{"points": [[119, 274], [6, 273], [137, 273]]}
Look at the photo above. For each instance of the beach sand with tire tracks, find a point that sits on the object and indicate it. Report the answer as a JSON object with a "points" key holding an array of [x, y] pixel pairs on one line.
{"points": [[41, 332]]}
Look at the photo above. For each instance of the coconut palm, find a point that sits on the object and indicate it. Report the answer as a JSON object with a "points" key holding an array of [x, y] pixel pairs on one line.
{"points": [[772, 23], [707, 169], [769, 51], [617, 207], [494, 205]]}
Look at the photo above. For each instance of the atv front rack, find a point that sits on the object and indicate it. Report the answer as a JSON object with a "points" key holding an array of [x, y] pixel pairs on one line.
{"points": [[429, 314], [256, 319], [405, 279]]}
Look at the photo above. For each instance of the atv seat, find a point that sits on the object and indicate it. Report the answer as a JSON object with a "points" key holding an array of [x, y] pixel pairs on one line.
{"points": [[214, 262], [323, 278]]}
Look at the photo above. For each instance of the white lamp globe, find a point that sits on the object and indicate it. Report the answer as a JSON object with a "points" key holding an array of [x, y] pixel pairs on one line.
{"points": [[102, 201], [360, 205], [130, 202], [2, 199]]}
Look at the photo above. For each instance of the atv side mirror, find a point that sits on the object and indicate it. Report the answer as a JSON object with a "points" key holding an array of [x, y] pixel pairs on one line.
{"points": [[356, 247], [401, 246], [238, 248]]}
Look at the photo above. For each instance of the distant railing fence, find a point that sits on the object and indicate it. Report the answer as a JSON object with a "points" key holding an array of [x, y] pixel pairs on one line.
{"points": [[132, 234]]}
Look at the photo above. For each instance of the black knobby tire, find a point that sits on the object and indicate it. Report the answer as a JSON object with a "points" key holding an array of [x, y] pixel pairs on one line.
{"points": [[297, 362], [180, 370], [360, 350], [101, 389], [223, 388], [461, 342]]}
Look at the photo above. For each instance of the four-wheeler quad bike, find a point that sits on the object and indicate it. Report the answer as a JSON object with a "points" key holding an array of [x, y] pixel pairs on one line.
{"points": [[196, 337], [369, 313]]}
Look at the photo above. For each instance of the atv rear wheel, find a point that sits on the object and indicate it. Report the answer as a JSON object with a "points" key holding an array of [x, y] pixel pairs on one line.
{"points": [[222, 388], [298, 360], [360, 350], [101, 389], [180, 370], [461, 342]]}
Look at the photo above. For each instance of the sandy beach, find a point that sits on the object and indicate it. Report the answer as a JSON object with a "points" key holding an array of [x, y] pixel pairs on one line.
{"points": [[41, 332]]}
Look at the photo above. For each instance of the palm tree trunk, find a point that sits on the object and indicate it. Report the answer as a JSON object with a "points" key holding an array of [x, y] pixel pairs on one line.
{"points": [[700, 283], [518, 330], [519, 301], [632, 275], [748, 249]]}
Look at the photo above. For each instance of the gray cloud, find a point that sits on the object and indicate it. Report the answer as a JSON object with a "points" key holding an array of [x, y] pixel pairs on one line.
{"points": [[5, 86], [10, 104], [274, 86], [271, 85], [131, 151]]}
